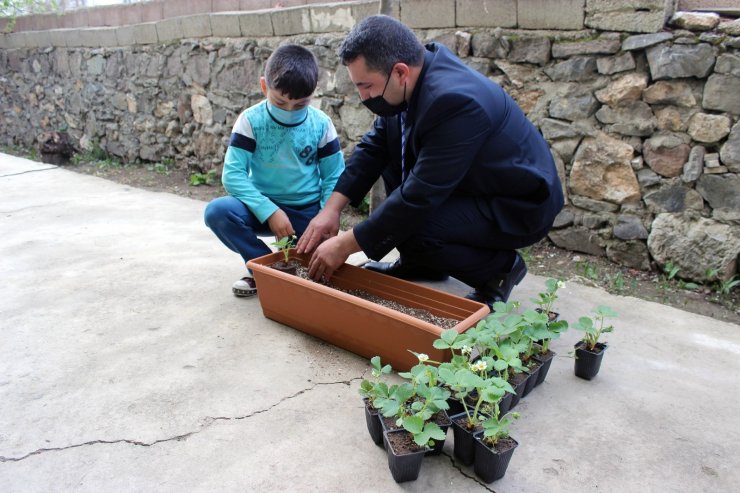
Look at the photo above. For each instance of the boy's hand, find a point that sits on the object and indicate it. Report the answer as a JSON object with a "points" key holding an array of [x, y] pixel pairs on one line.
{"points": [[280, 224], [321, 228]]}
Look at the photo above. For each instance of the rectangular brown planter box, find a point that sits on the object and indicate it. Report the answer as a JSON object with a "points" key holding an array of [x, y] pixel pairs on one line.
{"points": [[359, 325]]}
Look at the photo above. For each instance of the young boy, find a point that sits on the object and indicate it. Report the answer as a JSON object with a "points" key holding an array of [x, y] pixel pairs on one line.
{"points": [[281, 165]]}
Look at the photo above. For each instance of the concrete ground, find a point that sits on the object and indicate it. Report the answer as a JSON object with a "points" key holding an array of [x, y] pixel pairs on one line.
{"points": [[127, 365]]}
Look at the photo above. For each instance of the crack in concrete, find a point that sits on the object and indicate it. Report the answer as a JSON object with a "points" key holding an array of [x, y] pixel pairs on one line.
{"points": [[459, 468], [29, 171], [40, 206], [293, 396], [207, 422]]}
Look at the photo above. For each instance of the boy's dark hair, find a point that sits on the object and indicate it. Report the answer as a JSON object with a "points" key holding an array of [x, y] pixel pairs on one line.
{"points": [[384, 42], [292, 70]]}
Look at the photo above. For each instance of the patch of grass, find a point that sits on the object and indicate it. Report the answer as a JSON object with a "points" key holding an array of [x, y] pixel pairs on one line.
{"points": [[19, 151], [162, 168], [587, 270], [96, 155], [209, 178]]}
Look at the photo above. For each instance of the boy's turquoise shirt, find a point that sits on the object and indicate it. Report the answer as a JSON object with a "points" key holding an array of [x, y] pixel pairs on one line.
{"points": [[268, 161]]}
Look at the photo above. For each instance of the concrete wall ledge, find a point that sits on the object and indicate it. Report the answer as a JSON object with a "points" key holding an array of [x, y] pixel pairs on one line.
{"points": [[313, 17]]}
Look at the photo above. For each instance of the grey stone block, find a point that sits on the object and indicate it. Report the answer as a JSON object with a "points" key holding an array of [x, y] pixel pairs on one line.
{"points": [[16, 40], [641, 41], [225, 25], [71, 37], [340, 17], [486, 13], [728, 64], [606, 44], [95, 37], [169, 30], [57, 37], [680, 61], [550, 14], [145, 33], [616, 64], [196, 26], [640, 16], [722, 93], [428, 13], [38, 39], [4, 41], [291, 21], [257, 23]]}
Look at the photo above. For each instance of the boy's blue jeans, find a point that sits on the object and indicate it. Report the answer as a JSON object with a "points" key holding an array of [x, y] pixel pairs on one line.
{"points": [[237, 228]]}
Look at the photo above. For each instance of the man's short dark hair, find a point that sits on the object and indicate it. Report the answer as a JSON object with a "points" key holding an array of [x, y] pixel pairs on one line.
{"points": [[383, 41], [292, 70]]}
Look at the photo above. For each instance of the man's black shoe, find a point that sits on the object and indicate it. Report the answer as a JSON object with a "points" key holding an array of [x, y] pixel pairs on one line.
{"points": [[409, 273], [499, 288]]}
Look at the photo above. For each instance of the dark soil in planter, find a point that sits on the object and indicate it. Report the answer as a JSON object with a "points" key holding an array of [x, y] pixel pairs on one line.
{"points": [[442, 419], [463, 422], [403, 443], [424, 315], [502, 445], [289, 267], [389, 424]]}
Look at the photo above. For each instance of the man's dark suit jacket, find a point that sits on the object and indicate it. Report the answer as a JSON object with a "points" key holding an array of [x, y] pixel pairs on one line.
{"points": [[465, 136]]}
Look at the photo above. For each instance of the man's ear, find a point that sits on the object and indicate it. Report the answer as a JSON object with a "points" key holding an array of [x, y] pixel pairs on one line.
{"points": [[402, 70], [263, 86]]}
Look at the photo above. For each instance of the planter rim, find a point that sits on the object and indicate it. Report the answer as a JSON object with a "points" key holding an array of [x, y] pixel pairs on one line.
{"points": [[581, 345], [478, 435], [421, 450], [262, 264]]}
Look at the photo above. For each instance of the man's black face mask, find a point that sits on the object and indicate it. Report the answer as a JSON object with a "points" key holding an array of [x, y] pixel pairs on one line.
{"points": [[381, 107]]}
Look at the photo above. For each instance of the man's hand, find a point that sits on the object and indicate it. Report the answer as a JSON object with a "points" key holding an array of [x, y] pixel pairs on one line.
{"points": [[280, 224], [322, 227], [331, 254]]}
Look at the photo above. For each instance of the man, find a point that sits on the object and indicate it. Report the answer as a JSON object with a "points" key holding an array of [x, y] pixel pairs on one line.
{"points": [[468, 178]]}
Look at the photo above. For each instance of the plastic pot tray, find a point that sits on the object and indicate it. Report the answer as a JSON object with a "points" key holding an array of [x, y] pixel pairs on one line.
{"points": [[356, 324]]}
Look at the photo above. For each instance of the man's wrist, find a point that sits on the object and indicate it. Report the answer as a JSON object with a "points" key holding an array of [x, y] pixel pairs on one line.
{"points": [[349, 243]]}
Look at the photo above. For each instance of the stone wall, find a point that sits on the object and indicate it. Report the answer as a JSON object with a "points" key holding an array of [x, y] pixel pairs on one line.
{"points": [[642, 120]]}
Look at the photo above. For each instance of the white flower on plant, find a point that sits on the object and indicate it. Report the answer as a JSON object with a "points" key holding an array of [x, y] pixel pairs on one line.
{"points": [[479, 365], [466, 350], [376, 373], [561, 285], [423, 357]]}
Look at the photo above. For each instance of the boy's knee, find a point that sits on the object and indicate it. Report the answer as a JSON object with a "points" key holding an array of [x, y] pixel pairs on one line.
{"points": [[213, 213]]}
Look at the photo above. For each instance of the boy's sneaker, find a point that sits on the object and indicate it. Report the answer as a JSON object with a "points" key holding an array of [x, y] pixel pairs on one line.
{"points": [[244, 287]]}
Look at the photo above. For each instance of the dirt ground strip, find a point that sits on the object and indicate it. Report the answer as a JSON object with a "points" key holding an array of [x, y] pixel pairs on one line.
{"points": [[543, 259]]}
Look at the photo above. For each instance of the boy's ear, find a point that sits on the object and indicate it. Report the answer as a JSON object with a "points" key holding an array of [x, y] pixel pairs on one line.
{"points": [[263, 86]]}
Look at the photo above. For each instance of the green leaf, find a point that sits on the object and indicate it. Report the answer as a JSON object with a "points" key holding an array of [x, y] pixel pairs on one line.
{"points": [[435, 431], [469, 379], [413, 424], [440, 344]]}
